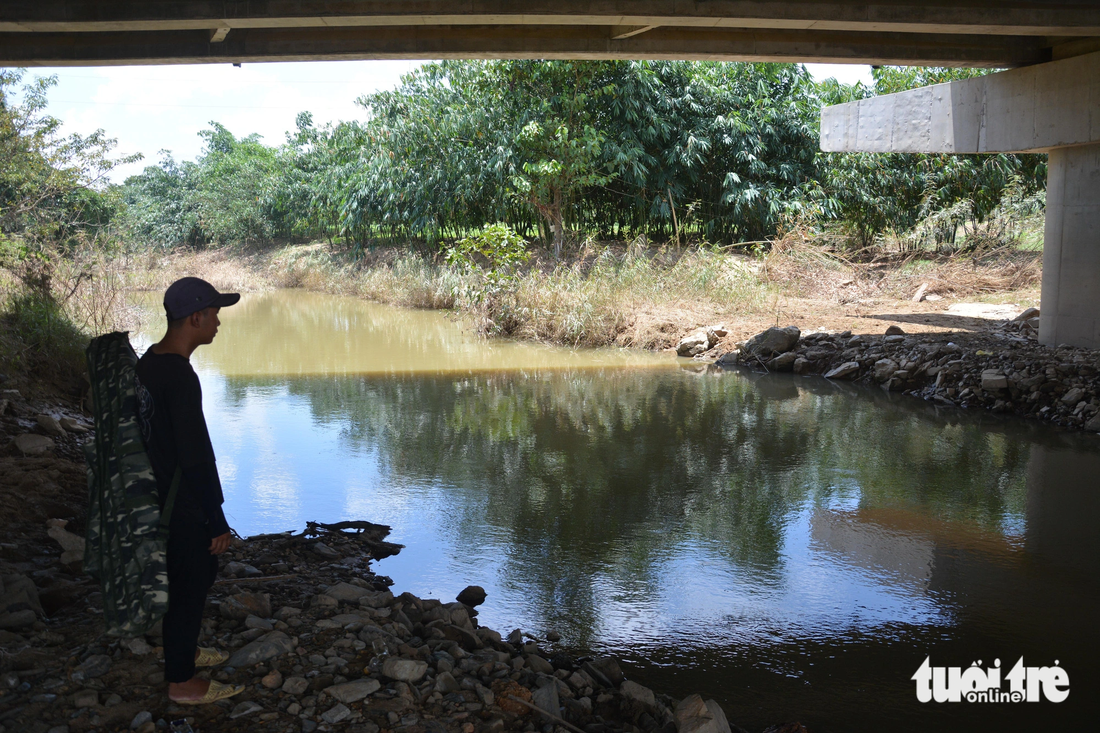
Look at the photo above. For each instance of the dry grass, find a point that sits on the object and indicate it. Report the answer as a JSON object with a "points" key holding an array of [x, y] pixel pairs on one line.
{"points": [[801, 266], [621, 294], [607, 295]]}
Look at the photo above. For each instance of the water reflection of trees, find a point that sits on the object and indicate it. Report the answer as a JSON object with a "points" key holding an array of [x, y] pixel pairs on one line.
{"points": [[608, 471]]}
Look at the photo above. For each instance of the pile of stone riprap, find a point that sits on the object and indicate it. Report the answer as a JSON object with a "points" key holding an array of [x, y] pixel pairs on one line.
{"points": [[1005, 370], [321, 643]]}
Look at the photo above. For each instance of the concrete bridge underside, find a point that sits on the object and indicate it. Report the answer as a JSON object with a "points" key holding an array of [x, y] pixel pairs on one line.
{"points": [[1052, 104], [935, 32]]}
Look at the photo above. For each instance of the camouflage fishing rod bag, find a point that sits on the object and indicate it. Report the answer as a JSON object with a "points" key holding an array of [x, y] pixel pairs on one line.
{"points": [[127, 534]]}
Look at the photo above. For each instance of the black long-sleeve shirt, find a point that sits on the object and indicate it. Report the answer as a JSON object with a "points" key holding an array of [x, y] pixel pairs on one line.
{"points": [[174, 428]]}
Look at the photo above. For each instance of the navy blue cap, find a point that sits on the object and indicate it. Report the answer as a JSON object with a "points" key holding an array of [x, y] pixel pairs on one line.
{"points": [[190, 294]]}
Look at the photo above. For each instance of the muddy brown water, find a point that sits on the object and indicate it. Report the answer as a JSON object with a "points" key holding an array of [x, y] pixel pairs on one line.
{"points": [[791, 547]]}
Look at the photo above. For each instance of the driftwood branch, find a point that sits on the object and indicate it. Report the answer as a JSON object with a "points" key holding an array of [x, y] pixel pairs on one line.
{"points": [[257, 579], [371, 536], [540, 711]]}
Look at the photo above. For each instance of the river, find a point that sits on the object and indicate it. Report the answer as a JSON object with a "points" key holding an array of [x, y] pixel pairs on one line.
{"points": [[791, 547]]}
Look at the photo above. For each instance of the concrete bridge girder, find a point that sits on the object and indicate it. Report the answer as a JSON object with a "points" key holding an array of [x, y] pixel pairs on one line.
{"points": [[964, 32], [1052, 108]]}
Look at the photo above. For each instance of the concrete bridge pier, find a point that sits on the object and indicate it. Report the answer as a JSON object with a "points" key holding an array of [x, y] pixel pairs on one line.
{"points": [[1070, 310], [1049, 108]]}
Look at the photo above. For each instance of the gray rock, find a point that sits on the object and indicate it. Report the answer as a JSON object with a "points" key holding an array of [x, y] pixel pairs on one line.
{"points": [[324, 551], [608, 668], [85, 699], [487, 635], [847, 370], [719, 716], [94, 666], [241, 605], [484, 694], [376, 599], [30, 444], [287, 612], [17, 619], [894, 339], [346, 592], [515, 637], [141, 719], [380, 640], [638, 693], [353, 691], [546, 698], [445, 683], [538, 664], [993, 379], [336, 714], [72, 425], [50, 424], [466, 639], [693, 715], [138, 646], [894, 330], [269, 646], [728, 359], [405, 670], [1073, 396], [693, 343], [242, 709], [323, 601], [255, 622], [773, 341], [72, 544], [295, 685], [782, 363], [1027, 315], [18, 592], [884, 369], [472, 595], [1094, 423], [308, 726], [233, 569]]}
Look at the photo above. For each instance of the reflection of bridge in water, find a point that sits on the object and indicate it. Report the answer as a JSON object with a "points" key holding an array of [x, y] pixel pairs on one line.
{"points": [[1051, 106]]}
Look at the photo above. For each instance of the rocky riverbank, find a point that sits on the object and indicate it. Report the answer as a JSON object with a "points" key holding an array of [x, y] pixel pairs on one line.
{"points": [[319, 639], [321, 643], [1004, 370]]}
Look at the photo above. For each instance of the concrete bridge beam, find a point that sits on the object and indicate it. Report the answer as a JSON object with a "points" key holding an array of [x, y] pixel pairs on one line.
{"points": [[1052, 108]]}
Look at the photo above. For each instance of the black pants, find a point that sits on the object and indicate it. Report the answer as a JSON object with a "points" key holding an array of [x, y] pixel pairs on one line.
{"points": [[191, 572]]}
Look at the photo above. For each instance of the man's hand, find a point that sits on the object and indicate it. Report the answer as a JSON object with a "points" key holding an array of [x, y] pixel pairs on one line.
{"points": [[219, 544]]}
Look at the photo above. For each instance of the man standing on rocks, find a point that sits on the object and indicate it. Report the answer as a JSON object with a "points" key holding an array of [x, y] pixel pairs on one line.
{"points": [[176, 437]]}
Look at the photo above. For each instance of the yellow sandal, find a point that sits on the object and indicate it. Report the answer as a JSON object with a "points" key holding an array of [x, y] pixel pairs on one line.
{"points": [[207, 657], [217, 691]]}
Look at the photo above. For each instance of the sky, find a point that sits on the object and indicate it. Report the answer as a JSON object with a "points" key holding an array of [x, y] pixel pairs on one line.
{"points": [[153, 108]]}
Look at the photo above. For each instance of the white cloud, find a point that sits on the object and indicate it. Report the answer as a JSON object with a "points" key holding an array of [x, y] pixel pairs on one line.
{"points": [[150, 108], [844, 73]]}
